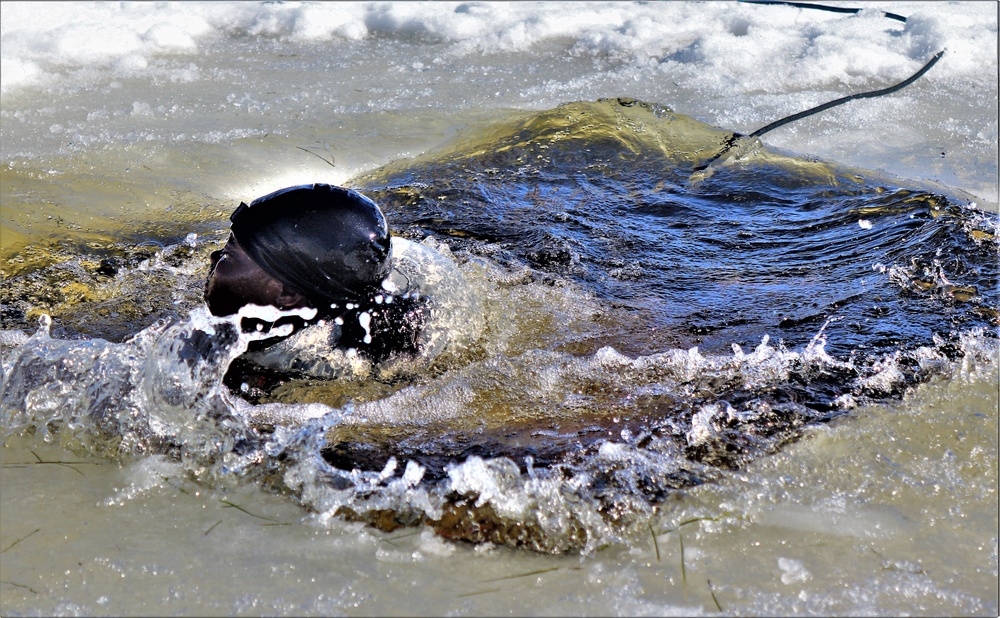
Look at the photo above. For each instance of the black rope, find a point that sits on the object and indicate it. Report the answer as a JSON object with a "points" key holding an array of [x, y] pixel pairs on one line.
{"points": [[861, 95], [823, 7], [819, 108]]}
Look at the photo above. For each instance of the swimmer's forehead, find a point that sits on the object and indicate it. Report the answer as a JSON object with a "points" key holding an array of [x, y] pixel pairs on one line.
{"points": [[308, 187], [330, 243], [266, 198]]}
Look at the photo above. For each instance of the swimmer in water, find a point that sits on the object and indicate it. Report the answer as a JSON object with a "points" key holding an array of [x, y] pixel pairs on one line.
{"points": [[326, 248]]}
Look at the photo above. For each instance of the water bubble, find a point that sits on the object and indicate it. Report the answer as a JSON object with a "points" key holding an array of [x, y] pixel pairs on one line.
{"points": [[364, 319]]}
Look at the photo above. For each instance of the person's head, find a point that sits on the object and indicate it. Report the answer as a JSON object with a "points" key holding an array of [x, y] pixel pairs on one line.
{"points": [[317, 246]]}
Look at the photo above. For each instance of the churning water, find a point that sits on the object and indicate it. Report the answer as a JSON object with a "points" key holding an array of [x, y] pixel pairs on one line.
{"points": [[772, 389]]}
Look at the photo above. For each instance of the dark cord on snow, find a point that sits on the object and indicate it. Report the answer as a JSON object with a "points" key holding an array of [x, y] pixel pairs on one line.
{"points": [[736, 137], [822, 7]]}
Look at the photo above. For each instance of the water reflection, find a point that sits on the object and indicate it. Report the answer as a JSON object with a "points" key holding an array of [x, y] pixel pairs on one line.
{"points": [[643, 332]]}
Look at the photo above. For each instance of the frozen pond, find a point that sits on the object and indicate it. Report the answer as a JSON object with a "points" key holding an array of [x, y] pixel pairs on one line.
{"points": [[771, 392]]}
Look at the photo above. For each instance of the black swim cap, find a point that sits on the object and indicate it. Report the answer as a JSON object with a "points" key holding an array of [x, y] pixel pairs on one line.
{"points": [[329, 243]]}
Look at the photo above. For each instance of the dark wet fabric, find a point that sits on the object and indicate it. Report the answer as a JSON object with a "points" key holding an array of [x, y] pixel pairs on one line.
{"points": [[329, 243]]}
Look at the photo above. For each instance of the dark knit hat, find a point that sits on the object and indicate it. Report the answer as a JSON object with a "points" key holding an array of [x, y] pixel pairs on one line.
{"points": [[329, 243]]}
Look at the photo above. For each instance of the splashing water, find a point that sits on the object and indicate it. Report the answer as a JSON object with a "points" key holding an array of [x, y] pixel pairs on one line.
{"points": [[619, 302]]}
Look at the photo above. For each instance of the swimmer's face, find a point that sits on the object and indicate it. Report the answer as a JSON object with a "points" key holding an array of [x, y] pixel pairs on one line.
{"points": [[235, 280]]}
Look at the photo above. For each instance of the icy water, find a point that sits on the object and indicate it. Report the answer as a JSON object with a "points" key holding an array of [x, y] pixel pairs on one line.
{"points": [[772, 390]]}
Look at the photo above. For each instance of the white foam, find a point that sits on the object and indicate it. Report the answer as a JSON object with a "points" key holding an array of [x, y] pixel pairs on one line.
{"points": [[273, 314], [793, 571], [365, 320], [144, 477]]}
